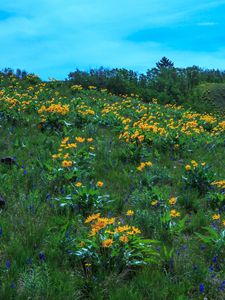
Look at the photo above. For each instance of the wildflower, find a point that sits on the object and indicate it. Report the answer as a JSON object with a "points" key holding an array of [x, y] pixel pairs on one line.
{"points": [[67, 163], [78, 184], [12, 285], [124, 239], [92, 218], [134, 230], [187, 167], [107, 243], [42, 256], [148, 163], [90, 140], [172, 200], [87, 265], [194, 163], [82, 244], [154, 202], [130, 213], [100, 184], [8, 264], [80, 139], [174, 213], [141, 166], [201, 288], [223, 222], [216, 217], [203, 164]]}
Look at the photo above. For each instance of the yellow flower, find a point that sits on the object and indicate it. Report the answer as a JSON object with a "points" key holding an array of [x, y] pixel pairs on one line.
{"points": [[187, 167], [82, 244], [194, 163], [67, 163], [154, 202], [148, 163], [80, 139], [107, 243], [216, 217], [174, 213], [66, 155], [100, 184], [92, 218], [223, 222], [90, 139], [130, 213], [172, 200], [78, 184], [124, 239], [203, 164]]}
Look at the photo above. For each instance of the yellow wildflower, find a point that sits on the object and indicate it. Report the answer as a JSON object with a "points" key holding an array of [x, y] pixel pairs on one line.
{"points": [[107, 243], [124, 239], [92, 218], [187, 167], [216, 217], [172, 200], [130, 213], [67, 163], [174, 213]]}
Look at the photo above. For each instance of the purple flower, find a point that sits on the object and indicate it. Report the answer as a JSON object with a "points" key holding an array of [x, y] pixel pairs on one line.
{"points": [[201, 288], [222, 286], [0, 231], [42, 256], [214, 259], [8, 264], [12, 285]]}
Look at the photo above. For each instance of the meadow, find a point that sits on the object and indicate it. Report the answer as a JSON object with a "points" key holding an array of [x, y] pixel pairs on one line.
{"points": [[108, 197]]}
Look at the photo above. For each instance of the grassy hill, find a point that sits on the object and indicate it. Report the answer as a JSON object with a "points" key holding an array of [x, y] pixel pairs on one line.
{"points": [[107, 197]]}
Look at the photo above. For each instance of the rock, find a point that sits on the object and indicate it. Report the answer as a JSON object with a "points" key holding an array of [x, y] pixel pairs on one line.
{"points": [[8, 160]]}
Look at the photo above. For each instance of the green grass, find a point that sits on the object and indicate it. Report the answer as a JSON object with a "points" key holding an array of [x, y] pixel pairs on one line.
{"points": [[34, 262]]}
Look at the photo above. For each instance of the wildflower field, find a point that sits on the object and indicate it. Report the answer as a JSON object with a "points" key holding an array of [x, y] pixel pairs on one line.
{"points": [[108, 197]]}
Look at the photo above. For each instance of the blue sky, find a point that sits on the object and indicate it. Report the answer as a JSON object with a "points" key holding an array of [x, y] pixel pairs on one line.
{"points": [[53, 37]]}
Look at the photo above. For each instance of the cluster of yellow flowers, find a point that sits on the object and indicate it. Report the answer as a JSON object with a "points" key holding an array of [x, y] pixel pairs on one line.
{"points": [[143, 165], [220, 184], [54, 108], [194, 165], [85, 110], [65, 146], [110, 229], [77, 87]]}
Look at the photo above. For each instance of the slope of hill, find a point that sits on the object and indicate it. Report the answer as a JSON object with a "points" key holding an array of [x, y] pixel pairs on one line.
{"points": [[107, 197]]}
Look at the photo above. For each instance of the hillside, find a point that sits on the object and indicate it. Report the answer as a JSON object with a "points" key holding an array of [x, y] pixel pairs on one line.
{"points": [[108, 197]]}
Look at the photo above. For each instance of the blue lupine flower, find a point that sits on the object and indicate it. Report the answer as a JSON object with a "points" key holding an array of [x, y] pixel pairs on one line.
{"points": [[8, 264], [42, 256], [222, 286], [13, 285], [214, 259], [0, 231], [201, 288]]}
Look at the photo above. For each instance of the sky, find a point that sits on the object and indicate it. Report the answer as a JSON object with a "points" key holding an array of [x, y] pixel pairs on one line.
{"points": [[54, 37]]}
